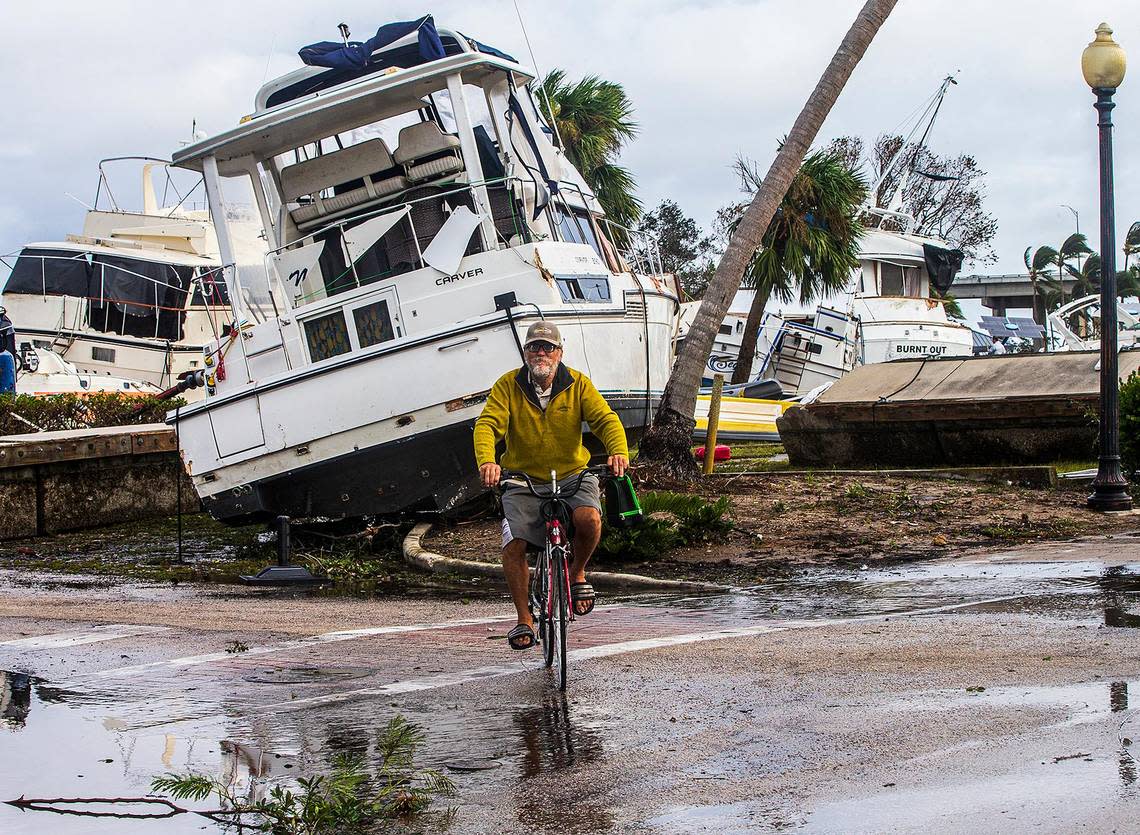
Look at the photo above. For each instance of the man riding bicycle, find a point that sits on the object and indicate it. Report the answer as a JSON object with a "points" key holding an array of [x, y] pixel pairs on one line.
{"points": [[538, 412]]}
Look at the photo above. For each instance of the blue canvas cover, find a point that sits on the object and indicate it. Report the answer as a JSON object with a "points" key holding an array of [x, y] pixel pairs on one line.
{"points": [[355, 54]]}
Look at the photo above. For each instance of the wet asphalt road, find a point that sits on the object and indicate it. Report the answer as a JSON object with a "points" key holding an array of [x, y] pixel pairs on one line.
{"points": [[990, 695]]}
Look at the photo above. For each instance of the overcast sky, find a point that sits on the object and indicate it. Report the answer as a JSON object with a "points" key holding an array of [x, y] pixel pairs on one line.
{"points": [[711, 80]]}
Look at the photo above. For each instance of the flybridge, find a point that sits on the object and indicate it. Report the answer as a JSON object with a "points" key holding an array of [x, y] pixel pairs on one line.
{"points": [[395, 46]]}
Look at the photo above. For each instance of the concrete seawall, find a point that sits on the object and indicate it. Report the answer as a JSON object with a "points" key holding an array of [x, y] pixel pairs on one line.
{"points": [[981, 411], [62, 481]]}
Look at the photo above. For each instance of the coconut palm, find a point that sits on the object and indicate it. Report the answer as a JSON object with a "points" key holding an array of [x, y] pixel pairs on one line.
{"points": [[594, 119], [1038, 266], [811, 246], [667, 443], [1071, 250], [1086, 282]]}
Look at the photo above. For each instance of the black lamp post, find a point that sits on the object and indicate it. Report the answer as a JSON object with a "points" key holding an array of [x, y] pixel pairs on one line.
{"points": [[1103, 64]]}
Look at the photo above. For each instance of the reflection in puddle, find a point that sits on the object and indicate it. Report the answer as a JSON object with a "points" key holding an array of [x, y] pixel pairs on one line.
{"points": [[553, 741]]}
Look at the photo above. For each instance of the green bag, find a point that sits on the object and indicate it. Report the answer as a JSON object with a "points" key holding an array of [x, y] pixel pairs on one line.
{"points": [[623, 510]]}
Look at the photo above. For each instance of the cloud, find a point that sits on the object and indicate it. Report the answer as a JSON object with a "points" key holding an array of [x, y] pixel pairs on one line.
{"points": [[710, 80]]}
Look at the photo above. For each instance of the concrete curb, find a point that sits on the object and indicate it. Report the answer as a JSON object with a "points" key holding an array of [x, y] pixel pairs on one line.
{"points": [[418, 557]]}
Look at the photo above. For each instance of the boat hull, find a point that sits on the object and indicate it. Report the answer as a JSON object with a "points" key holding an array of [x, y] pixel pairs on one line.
{"points": [[431, 471]]}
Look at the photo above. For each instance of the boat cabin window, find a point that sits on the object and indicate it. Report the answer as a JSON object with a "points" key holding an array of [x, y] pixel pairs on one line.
{"points": [[574, 227], [896, 280], [327, 336], [373, 323], [726, 330], [103, 354], [583, 288]]}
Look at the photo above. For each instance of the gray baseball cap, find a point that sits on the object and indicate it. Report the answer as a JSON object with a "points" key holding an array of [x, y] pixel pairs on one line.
{"points": [[543, 332]]}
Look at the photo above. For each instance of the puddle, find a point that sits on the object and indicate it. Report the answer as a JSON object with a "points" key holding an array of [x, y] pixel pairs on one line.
{"points": [[111, 738]]}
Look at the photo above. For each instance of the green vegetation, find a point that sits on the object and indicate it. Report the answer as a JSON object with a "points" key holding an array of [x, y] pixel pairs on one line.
{"points": [[353, 798], [23, 413], [1130, 425], [594, 119], [671, 520]]}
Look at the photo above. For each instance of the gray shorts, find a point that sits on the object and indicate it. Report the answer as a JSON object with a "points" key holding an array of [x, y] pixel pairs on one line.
{"points": [[522, 512]]}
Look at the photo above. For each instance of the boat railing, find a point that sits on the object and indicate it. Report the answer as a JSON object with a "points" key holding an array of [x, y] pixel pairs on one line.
{"points": [[905, 220], [637, 248], [205, 279]]}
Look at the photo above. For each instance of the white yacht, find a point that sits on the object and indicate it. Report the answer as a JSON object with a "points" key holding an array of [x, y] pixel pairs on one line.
{"points": [[136, 294], [420, 217]]}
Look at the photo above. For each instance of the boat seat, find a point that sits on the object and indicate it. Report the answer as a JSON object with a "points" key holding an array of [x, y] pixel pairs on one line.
{"points": [[356, 174], [427, 153]]}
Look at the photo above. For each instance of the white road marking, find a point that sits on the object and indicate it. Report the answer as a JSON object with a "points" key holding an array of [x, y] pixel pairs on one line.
{"points": [[326, 638], [78, 637], [606, 650]]}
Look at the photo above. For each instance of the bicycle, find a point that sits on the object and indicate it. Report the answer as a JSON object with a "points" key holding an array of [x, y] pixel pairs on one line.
{"points": [[550, 582]]}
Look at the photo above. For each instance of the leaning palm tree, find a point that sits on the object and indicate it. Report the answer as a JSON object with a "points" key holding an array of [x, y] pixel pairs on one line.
{"points": [[594, 119], [1086, 282], [667, 443], [811, 246], [1038, 266], [1071, 250]]}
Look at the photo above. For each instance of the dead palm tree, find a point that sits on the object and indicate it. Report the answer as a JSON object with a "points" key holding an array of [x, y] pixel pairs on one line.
{"points": [[667, 443], [811, 246], [594, 119]]}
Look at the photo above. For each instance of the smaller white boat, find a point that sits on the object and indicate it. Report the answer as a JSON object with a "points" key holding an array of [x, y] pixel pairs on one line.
{"points": [[46, 373], [1076, 326]]}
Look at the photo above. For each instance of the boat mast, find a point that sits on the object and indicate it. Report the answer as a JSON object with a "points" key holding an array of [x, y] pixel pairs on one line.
{"points": [[894, 204]]}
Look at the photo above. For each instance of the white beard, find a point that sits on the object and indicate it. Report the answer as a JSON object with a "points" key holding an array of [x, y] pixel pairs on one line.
{"points": [[542, 370]]}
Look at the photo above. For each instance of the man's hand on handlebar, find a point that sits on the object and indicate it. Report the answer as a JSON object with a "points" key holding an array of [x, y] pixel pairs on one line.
{"points": [[618, 464], [490, 474]]}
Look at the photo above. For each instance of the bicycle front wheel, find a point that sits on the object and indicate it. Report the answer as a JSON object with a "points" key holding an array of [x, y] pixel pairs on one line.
{"points": [[542, 596], [561, 620]]}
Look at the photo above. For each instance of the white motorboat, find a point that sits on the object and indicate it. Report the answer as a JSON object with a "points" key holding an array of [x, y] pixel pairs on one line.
{"points": [[46, 373], [1076, 326], [136, 295], [420, 218]]}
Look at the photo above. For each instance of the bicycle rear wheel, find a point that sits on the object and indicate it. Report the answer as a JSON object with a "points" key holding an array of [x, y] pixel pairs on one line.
{"points": [[561, 620]]}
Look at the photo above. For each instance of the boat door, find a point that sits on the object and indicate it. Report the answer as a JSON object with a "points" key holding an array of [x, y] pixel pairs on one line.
{"points": [[374, 320]]}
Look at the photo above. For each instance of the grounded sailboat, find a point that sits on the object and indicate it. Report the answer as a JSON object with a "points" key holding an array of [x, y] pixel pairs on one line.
{"points": [[420, 217]]}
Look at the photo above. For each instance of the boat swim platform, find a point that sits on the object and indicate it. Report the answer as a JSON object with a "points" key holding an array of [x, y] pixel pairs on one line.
{"points": [[52, 482], [959, 412]]}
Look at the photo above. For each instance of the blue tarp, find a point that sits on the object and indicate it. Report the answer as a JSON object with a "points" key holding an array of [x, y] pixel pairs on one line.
{"points": [[355, 54]]}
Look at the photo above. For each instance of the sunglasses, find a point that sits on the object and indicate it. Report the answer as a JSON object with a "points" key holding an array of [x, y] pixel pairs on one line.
{"points": [[541, 348]]}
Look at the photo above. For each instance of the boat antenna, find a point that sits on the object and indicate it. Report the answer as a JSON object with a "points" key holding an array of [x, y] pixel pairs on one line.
{"points": [[542, 75], [344, 33], [927, 117]]}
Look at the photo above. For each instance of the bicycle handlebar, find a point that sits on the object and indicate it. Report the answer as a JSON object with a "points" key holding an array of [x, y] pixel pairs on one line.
{"points": [[601, 470]]}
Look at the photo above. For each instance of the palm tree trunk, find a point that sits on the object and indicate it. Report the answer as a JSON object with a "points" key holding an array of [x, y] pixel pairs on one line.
{"points": [[743, 369], [667, 444]]}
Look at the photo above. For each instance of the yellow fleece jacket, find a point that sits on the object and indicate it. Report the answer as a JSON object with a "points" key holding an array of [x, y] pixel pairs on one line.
{"points": [[537, 441]]}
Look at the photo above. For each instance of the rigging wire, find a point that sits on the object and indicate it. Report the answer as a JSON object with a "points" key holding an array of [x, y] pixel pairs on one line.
{"points": [[537, 69]]}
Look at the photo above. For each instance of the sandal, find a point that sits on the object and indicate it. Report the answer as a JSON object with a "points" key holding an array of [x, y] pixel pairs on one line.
{"points": [[582, 593], [521, 637]]}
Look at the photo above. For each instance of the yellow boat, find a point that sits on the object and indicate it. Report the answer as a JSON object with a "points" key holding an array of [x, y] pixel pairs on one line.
{"points": [[741, 418]]}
